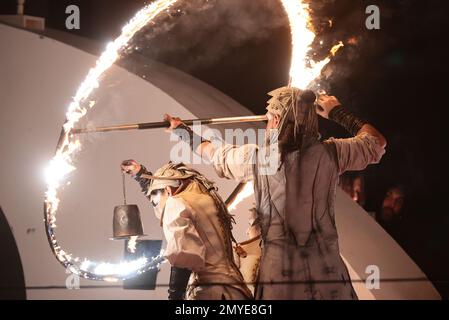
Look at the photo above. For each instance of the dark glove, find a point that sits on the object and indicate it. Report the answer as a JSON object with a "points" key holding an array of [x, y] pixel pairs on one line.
{"points": [[346, 119], [187, 135], [178, 283]]}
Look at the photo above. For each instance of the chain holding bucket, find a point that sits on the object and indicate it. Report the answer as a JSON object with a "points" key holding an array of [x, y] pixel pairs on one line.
{"points": [[126, 220]]}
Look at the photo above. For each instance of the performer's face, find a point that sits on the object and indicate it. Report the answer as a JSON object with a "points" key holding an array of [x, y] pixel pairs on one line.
{"points": [[271, 129], [158, 200]]}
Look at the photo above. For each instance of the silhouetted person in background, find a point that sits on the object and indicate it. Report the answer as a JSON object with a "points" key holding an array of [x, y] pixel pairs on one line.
{"points": [[391, 213]]}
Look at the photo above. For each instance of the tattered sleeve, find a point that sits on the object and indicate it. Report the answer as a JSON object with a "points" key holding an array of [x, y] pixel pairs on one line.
{"points": [[358, 152], [185, 248], [234, 162]]}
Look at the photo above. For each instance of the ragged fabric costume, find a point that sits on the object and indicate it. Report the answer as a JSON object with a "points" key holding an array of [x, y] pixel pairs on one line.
{"points": [[295, 203], [198, 235]]}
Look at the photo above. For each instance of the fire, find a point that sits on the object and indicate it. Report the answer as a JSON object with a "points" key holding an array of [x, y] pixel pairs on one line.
{"points": [[303, 70], [132, 243], [62, 163], [337, 47]]}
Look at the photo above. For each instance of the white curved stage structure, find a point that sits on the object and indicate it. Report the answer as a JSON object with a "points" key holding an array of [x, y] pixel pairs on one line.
{"points": [[38, 77]]}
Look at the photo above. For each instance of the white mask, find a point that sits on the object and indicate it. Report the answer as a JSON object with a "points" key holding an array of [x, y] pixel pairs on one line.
{"points": [[157, 206]]}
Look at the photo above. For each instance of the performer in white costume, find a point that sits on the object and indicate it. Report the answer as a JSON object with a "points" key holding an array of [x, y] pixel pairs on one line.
{"points": [[197, 227]]}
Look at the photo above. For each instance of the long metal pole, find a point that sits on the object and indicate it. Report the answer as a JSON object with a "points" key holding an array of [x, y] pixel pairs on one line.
{"points": [[165, 124]]}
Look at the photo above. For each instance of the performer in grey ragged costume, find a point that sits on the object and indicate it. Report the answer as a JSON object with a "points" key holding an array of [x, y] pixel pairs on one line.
{"points": [[295, 203]]}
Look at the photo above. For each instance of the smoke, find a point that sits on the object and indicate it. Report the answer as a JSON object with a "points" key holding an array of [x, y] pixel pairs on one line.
{"points": [[205, 35], [200, 35], [200, 32], [344, 20]]}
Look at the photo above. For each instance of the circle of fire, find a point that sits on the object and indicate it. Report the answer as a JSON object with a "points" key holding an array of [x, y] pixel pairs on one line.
{"points": [[302, 72]]}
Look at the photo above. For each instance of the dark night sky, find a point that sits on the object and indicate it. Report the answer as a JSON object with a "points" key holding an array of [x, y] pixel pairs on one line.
{"points": [[395, 77]]}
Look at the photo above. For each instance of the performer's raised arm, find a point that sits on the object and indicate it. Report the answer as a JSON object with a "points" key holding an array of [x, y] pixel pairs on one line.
{"points": [[229, 161], [136, 170], [366, 147]]}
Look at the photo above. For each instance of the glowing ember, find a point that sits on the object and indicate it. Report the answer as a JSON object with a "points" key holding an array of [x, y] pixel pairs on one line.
{"points": [[336, 48], [352, 41]]}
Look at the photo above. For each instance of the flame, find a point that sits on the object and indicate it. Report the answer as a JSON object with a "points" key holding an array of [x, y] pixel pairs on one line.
{"points": [[303, 70], [246, 192], [132, 243], [336, 48], [62, 163]]}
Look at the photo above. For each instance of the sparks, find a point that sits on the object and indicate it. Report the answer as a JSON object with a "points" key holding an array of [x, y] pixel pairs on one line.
{"points": [[62, 163]]}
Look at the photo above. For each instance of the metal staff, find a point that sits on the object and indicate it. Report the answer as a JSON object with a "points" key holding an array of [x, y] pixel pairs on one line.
{"points": [[166, 124]]}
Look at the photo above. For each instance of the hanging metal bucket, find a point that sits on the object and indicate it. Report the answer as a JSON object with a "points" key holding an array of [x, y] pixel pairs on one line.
{"points": [[126, 222]]}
